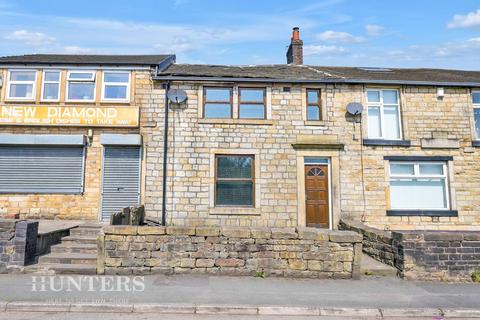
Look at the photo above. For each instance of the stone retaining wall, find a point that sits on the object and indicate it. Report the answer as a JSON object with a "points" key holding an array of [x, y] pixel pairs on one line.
{"points": [[289, 252], [18, 240]]}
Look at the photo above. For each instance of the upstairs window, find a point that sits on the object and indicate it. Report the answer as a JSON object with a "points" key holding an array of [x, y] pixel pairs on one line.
{"points": [[81, 86], [418, 186], [383, 114], [217, 102], [476, 112], [234, 180], [51, 86], [313, 105], [116, 86], [251, 103], [21, 84]]}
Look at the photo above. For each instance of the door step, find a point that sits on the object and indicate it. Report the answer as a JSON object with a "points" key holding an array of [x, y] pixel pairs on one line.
{"points": [[69, 258], [371, 267]]}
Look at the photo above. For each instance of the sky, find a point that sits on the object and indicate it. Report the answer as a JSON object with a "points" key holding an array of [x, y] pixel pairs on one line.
{"points": [[377, 33]]}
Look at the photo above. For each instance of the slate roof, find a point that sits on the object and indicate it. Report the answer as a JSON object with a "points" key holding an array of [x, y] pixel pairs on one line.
{"points": [[304, 73], [73, 59]]}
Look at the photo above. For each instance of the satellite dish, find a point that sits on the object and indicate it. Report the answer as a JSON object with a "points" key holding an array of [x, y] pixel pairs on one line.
{"points": [[354, 108], [177, 95]]}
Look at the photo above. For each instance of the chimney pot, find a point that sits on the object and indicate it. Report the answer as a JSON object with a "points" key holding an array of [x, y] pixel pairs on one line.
{"points": [[295, 50]]}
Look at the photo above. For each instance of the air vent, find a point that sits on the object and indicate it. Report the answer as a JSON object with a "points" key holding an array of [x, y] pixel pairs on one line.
{"points": [[373, 69]]}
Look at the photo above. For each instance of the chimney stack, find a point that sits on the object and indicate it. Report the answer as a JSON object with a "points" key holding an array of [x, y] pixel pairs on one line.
{"points": [[295, 50]]}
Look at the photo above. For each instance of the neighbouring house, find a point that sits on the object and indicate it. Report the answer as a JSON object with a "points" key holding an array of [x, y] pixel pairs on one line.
{"points": [[70, 143], [269, 145]]}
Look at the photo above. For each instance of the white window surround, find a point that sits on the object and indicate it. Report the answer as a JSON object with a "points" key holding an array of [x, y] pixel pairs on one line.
{"points": [[119, 84], [33, 83], [59, 82], [91, 79], [381, 107], [476, 107], [418, 176]]}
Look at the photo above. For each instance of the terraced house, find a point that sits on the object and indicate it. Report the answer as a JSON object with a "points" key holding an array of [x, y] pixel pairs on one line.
{"points": [[271, 145]]}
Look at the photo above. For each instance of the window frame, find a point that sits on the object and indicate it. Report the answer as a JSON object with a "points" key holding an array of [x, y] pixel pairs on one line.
{"points": [[59, 82], [474, 107], [204, 102], [118, 84], [318, 104], [33, 83], [417, 175], [93, 80], [216, 179], [264, 101], [381, 105]]}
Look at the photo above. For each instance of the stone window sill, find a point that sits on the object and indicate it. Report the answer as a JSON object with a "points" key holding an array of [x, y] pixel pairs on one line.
{"points": [[318, 123], [235, 211], [236, 121], [423, 213], [388, 143]]}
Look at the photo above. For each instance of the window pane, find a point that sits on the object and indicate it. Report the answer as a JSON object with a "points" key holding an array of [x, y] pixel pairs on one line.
{"points": [[476, 97], [476, 113], [391, 125], [234, 167], [115, 92], [80, 76], [234, 193], [213, 110], [313, 113], [80, 91], [50, 91], [374, 128], [21, 90], [373, 96], [217, 95], [312, 97], [315, 160], [116, 77], [390, 97], [431, 169], [252, 111], [418, 194], [52, 76], [251, 95], [22, 75], [402, 169]]}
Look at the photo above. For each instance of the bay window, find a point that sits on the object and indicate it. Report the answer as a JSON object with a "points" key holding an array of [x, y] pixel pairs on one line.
{"points": [[234, 180], [21, 84], [419, 186], [81, 86], [116, 86], [383, 114]]}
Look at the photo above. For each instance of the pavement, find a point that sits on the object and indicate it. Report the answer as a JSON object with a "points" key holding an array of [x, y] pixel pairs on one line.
{"points": [[199, 297]]}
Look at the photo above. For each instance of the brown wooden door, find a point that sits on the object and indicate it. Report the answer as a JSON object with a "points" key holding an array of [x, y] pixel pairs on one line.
{"points": [[316, 195]]}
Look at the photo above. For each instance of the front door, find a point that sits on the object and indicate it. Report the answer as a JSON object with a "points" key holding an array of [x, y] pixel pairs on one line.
{"points": [[316, 195]]}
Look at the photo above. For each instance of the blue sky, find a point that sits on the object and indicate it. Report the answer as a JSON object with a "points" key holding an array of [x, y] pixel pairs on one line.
{"points": [[407, 33]]}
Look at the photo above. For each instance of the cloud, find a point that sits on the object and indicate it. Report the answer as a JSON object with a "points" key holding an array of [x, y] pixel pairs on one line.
{"points": [[77, 50], [339, 37], [374, 30], [30, 38], [310, 50], [471, 19]]}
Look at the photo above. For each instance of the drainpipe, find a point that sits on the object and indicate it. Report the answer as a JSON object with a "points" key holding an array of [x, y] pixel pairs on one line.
{"points": [[166, 86]]}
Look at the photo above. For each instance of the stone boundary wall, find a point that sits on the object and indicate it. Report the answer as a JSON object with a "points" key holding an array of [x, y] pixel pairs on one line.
{"points": [[376, 243], [18, 241], [288, 252], [423, 255]]}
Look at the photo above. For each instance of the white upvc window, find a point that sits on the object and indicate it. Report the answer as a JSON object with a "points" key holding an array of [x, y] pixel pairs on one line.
{"points": [[476, 112], [116, 86], [21, 84], [383, 114], [81, 86], [419, 186], [51, 85]]}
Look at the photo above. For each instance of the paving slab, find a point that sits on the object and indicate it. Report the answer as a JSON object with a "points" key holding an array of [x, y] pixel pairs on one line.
{"points": [[37, 306]]}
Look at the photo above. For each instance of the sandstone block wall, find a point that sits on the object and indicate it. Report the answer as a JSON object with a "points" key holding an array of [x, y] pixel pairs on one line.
{"points": [[18, 241], [289, 252]]}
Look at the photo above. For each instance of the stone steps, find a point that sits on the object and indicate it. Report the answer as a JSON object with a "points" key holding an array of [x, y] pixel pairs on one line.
{"points": [[74, 248], [90, 232], [79, 240], [69, 258], [373, 268], [69, 268]]}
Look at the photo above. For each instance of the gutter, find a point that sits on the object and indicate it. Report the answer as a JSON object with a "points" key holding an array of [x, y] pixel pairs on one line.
{"points": [[330, 80]]}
